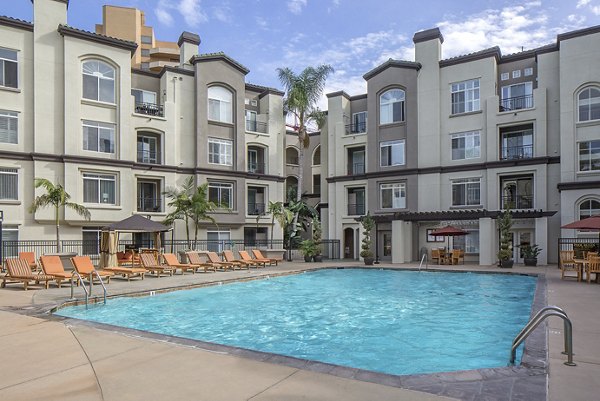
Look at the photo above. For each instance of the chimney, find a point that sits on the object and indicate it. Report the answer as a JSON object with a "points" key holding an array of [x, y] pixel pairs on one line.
{"points": [[428, 45], [49, 14], [188, 47]]}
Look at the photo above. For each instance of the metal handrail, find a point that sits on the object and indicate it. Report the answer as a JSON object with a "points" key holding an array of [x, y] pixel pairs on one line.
{"points": [[80, 279], [426, 263], [101, 283], [535, 321]]}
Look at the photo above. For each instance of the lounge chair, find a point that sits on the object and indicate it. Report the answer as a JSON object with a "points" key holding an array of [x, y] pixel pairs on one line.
{"points": [[246, 257], [195, 259], [229, 257], [214, 259], [457, 256], [128, 272], [52, 266], [30, 258], [84, 266], [568, 264], [172, 261], [18, 270], [259, 256], [151, 264]]}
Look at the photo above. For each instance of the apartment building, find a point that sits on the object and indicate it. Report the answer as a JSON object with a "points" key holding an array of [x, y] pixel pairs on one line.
{"points": [[74, 111], [457, 141]]}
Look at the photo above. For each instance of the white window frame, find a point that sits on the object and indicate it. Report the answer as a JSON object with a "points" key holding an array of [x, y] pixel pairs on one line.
{"points": [[222, 236], [220, 101], [9, 119], [590, 211], [146, 96], [588, 104], [5, 58], [471, 96], [516, 74], [528, 71], [593, 163], [97, 231], [7, 230], [471, 142], [144, 146], [505, 76], [399, 143], [359, 127], [220, 151], [100, 178], [8, 173], [105, 129], [471, 241], [466, 182], [386, 106], [251, 121], [221, 186], [398, 190], [91, 68]]}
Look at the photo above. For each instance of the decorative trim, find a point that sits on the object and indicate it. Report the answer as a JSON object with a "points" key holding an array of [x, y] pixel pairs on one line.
{"points": [[189, 37], [480, 55], [392, 63], [428, 34], [568, 186], [220, 56], [66, 30], [338, 93], [575, 34], [175, 70], [16, 23], [263, 90], [461, 215]]}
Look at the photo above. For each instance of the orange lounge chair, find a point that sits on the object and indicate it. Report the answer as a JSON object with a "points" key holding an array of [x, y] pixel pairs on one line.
{"points": [[195, 259], [52, 266], [259, 256], [19, 271], [30, 258], [247, 258], [151, 264], [214, 259], [229, 257], [172, 261], [84, 266]]}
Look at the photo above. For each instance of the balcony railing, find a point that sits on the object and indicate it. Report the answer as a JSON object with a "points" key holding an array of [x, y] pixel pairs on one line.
{"points": [[356, 168], [356, 209], [149, 109], [149, 204], [256, 126], [256, 209], [516, 103], [517, 202], [291, 160], [257, 168], [146, 156], [359, 128], [517, 152]]}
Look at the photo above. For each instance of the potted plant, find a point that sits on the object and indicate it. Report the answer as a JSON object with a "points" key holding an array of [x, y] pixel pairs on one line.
{"points": [[308, 249], [366, 248], [505, 253], [317, 234], [530, 254]]}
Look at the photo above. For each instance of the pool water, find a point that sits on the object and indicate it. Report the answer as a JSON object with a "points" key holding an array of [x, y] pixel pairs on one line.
{"points": [[397, 322]]}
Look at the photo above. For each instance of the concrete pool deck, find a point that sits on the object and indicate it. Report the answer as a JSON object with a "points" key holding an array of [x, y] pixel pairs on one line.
{"points": [[50, 359]]}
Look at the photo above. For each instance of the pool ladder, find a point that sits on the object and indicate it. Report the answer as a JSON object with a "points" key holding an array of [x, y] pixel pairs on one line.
{"points": [[424, 259], [88, 293], [535, 321]]}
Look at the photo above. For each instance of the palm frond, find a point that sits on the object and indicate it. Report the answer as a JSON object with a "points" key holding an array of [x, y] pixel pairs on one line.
{"points": [[80, 210]]}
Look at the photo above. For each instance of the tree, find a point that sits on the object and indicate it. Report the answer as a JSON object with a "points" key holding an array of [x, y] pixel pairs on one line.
{"points": [[57, 197], [368, 224], [280, 213], [181, 200], [200, 207], [303, 92]]}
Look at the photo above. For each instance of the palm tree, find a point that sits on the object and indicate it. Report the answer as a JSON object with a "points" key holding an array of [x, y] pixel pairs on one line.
{"points": [[200, 207], [280, 213], [181, 200], [57, 197], [303, 92]]}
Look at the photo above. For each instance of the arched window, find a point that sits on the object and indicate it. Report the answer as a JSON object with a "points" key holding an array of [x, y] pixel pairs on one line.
{"points": [[391, 106], [589, 104], [317, 156], [589, 207], [219, 104], [98, 81]]}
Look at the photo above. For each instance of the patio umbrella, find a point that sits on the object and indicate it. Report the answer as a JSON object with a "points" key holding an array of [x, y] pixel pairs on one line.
{"points": [[449, 231], [587, 224]]}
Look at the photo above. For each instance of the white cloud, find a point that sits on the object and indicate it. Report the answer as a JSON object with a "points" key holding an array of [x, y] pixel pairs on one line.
{"points": [[223, 13], [595, 10], [261, 22], [583, 3], [192, 12], [296, 6], [163, 16]]}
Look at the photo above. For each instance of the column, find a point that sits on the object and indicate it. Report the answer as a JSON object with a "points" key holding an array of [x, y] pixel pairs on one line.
{"points": [[487, 242], [541, 239]]}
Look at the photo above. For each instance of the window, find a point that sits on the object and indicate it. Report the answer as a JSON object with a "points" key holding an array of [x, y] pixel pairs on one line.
{"points": [[145, 52], [391, 105], [316, 159], [145, 66], [392, 153], [516, 97], [588, 208], [220, 151], [10, 239], [8, 68], [98, 81], [359, 123], [465, 96], [517, 192], [589, 104], [91, 240], [528, 71], [589, 156], [517, 142], [148, 149], [393, 196], [219, 104], [9, 123], [148, 196], [316, 184], [146, 39], [9, 184], [251, 121], [469, 243], [516, 74], [356, 201], [466, 145], [466, 192], [257, 199], [98, 137], [217, 240], [504, 76], [142, 96], [221, 193], [99, 188]]}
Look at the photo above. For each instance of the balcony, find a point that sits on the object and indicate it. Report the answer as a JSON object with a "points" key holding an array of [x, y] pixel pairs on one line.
{"points": [[359, 128], [517, 202], [256, 126], [256, 209], [149, 109], [356, 209], [356, 168], [517, 152], [149, 157], [257, 168], [516, 103], [149, 204]]}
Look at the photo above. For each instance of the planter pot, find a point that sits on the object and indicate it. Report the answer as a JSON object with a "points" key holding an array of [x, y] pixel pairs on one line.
{"points": [[369, 260], [507, 263], [307, 258], [318, 258], [530, 261]]}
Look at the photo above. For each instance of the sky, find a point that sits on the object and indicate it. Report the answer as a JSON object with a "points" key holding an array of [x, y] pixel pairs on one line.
{"points": [[353, 36]]}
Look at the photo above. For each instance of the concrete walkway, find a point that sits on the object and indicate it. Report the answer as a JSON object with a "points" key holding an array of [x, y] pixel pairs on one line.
{"points": [[53, 360]]}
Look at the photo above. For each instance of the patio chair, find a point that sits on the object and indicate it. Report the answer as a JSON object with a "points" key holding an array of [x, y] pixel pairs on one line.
{"points": [[593, 267], [150, 263], [247, 258], [229, 257], [435, 255], [457, 256], [259, 256], [195, 259], [30, 258], [568, 264], [214, 259], [84, 266], [19, 270], [52, 266], [172, 261]]}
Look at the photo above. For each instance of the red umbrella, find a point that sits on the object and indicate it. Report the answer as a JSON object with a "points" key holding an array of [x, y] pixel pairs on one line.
{"points": [[449, 231], [587, 224]]}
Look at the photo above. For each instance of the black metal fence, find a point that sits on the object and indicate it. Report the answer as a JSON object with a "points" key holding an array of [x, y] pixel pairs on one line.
{"points": [[579, 245]]}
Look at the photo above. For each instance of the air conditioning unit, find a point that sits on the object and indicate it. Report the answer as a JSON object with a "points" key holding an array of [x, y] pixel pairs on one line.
{"points": [[246, 101], [253, 103]]}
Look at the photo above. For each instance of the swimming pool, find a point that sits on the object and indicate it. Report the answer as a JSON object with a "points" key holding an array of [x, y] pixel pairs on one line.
{"points": [[397, 322]]}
